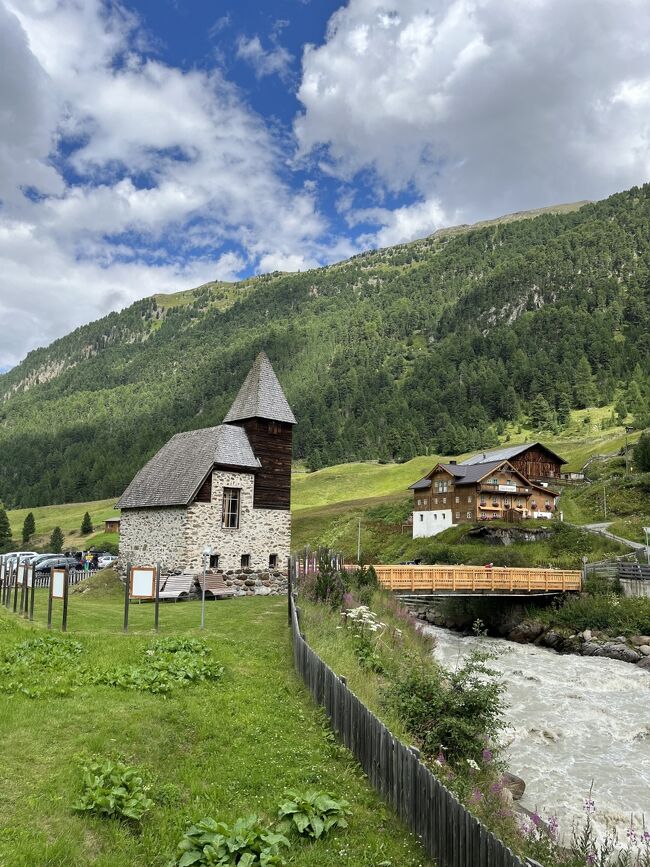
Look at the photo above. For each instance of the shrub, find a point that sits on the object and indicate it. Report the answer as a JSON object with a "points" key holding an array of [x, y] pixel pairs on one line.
{"points": [[114, 790], [246, 843], [330, 586], [312, 813], [449, 712], [365, 577], [610, 613]]}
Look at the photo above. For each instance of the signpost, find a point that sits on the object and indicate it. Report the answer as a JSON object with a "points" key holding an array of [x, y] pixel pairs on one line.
{"points": [[142, 582], [3, 577], [646, 530], [58, 590]]}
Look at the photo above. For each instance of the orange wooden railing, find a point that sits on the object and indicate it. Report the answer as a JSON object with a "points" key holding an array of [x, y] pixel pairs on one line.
{"points": [[475, 578]]}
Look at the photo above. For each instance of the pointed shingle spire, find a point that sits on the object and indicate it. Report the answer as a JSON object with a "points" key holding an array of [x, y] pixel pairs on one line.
{"points": [[261, 396]]}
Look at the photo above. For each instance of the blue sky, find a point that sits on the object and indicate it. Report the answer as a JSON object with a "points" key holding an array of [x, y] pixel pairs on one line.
{"points": [[153, 146]]}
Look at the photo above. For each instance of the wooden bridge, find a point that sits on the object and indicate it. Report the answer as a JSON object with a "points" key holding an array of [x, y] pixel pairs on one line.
{"points": [[477, 580]]}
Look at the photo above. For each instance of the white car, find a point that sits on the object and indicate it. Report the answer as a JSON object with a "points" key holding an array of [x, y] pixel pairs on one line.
{"points": [[21, 556], [106, 560]]}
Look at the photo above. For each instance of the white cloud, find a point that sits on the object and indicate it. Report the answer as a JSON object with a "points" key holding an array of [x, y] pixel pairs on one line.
{"points": [[273, 61], [480, 106], [143, 172]]}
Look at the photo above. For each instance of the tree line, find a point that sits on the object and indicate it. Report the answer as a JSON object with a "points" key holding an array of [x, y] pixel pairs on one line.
{"points": [[430, 346]]}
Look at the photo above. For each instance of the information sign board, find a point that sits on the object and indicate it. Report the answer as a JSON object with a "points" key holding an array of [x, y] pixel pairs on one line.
{"points": [[142, 582], [21, 573], [58, 582]]}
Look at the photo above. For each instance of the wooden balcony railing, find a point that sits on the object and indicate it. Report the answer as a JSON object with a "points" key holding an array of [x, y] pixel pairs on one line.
{"points": [[478, 578]]}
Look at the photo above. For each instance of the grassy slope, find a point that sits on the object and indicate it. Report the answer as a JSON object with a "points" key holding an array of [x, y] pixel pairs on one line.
{"points": [[225, 749], [327, 504]]}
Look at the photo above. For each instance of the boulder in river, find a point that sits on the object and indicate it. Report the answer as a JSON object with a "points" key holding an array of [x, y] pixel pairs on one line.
{"points": [[514, 784], [640, 640], [614, 650], [550, 639], [525, 632], [644, 649], [644, 663]]}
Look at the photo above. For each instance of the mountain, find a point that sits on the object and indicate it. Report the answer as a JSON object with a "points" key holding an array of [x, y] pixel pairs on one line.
{"points": [[428, 345]]}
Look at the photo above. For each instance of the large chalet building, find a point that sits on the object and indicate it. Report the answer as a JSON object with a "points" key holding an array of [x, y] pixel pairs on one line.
{"points": [[226, 487], [493, 484]]}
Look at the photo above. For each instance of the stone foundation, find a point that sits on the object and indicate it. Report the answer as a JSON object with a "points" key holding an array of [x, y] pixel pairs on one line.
{"points": [[249, 583]]}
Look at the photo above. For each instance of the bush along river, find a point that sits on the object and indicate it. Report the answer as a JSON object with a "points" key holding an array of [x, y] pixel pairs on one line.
{"points": [[570, 721]]}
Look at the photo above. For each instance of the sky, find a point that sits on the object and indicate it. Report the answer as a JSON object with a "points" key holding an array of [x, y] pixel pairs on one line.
{"points": [[154, 145]]}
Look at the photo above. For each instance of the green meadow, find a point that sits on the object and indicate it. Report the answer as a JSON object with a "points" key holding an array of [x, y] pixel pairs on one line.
{"points": [[223, 749]]}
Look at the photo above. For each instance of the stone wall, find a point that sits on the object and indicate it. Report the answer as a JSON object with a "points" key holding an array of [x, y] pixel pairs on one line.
{"points": [[176, 536], [149, 536], [248, 583], [261, 532]]}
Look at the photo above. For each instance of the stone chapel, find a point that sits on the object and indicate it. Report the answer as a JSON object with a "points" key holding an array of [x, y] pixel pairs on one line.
{"points": [[226, 487]]}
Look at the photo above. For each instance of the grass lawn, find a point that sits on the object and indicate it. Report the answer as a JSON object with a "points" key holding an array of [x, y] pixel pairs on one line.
{"points": [[222, 749]]}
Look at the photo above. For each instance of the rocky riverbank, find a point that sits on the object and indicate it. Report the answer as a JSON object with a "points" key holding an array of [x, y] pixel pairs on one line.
{"points": [[634, 649]]}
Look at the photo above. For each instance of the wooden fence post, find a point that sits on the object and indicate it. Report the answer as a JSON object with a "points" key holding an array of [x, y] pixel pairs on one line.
{"points": [[289, 565], [126, 597], [157, 598], [15, 576], [49, 603]]}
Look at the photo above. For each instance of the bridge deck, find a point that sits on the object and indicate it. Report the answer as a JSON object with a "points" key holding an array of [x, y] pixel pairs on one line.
{"points": [[477, 579]]}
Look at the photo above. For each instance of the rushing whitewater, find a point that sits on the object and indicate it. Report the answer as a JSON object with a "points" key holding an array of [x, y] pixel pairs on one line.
{"points": [[570, 720]]}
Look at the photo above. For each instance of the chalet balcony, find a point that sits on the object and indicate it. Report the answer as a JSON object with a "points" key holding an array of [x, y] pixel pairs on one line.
{"points": [[513, 490]]}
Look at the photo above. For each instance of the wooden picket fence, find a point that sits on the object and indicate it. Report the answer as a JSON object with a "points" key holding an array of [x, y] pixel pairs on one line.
{"points": [[448, 831]]}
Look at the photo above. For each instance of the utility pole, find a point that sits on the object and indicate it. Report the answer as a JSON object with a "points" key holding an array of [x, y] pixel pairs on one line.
{"points": [[605, 499], [647, 545]]}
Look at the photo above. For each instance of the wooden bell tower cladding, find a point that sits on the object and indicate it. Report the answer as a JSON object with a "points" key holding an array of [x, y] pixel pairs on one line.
{"points": [[262, 410]]}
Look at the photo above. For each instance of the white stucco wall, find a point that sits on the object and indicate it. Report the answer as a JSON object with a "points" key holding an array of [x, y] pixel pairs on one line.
{"points": [[150, 536], [431, 523]]}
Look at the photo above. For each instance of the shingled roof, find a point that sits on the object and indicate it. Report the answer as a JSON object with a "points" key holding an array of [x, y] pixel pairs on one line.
{"points": [[175, 473], [463, 474], [261, 396], [505, 453]]}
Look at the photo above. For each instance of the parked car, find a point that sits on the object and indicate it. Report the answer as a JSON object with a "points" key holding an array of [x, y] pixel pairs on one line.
{"points": [[18, 556], [46, 566], [106, 560], [34, 561]]}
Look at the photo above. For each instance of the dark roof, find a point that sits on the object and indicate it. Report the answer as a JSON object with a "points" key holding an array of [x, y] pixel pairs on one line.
{"points": [[174, 474], [464, 475], [469, 475], [261, 396], [505, 454], [420, 484]]}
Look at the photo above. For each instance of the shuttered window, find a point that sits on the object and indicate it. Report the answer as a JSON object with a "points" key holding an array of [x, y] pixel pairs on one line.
{"points": [[230, 515]]}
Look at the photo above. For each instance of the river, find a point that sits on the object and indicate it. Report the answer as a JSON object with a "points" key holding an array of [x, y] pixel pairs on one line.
{"points": [[570, 720]]}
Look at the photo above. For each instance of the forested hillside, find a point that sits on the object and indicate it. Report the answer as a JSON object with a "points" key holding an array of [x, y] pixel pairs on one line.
{"points": [[429, 345]]}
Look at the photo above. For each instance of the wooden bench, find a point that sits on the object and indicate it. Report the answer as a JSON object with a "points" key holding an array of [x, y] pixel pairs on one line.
{"points": [[177, 586], [215, 586]]}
